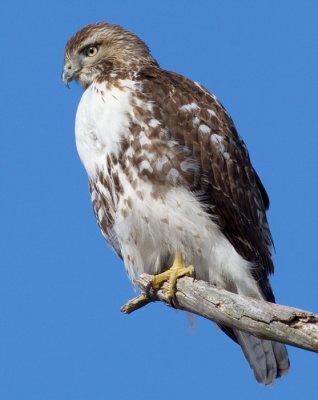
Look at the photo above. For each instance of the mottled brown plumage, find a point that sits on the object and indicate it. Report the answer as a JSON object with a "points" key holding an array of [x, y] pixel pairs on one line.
{"points": [[169, 173]]}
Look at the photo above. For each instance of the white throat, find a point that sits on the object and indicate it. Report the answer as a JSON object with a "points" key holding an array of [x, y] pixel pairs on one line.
{"points": [[102, 121]]}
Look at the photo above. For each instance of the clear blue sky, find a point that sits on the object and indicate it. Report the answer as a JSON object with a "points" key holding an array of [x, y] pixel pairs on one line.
{"points": [[62, 336]]}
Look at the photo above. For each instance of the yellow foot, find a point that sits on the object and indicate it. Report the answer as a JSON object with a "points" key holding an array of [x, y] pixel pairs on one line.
{"points": [[177, 270]]}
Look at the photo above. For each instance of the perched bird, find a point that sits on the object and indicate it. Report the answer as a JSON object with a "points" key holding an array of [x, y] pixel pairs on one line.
{"points": [[171, 181]]}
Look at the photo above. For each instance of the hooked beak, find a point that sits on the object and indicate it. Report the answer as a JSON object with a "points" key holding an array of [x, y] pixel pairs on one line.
{"points": [[67, 74], [66, 77]]}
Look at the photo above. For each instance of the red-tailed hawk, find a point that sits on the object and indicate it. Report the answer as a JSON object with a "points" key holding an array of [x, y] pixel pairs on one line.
{"points": [[171, 180]]}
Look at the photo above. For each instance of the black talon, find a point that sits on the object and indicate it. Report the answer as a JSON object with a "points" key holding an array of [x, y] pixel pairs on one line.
{"points": [[173, 302], [149, 292]]}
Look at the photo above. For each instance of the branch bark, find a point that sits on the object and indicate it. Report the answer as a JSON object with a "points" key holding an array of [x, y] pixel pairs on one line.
{"points": [[263, 319]]}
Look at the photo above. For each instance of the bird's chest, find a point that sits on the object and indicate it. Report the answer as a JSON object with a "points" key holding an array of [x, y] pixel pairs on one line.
{"points": [[102, 122], [145, 218]]}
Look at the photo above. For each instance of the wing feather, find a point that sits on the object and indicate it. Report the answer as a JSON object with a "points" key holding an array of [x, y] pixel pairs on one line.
{"points": [[226, 180]]}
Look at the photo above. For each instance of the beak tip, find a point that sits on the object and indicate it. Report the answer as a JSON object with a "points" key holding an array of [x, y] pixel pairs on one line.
{"points": [[66, 78]]}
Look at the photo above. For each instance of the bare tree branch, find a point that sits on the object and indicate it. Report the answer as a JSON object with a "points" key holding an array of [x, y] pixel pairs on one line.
{"points": [[263, 319]]}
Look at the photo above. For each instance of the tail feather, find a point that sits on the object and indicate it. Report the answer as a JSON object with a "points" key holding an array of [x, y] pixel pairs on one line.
{"points": [[282, 359], [269, 360]]}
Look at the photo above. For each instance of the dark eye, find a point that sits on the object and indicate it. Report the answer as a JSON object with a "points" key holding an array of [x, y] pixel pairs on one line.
{"points": [[91, 51]]}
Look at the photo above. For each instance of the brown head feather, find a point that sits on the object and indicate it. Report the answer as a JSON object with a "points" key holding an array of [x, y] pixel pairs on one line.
{"points": [[117, 49]]}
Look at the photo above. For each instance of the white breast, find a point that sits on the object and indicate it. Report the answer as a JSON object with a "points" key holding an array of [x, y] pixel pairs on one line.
{"points": [[102, 121]]}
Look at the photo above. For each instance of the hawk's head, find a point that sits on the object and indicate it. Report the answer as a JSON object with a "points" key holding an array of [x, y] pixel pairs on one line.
{"points": [[101, 48]]}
